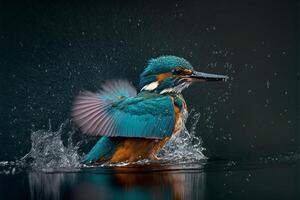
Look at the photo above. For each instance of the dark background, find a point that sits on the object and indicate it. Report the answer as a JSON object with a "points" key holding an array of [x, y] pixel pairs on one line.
{"points": [[49, 51]]}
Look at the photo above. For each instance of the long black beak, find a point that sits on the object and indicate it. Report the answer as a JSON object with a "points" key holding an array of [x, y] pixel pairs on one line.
{"points": [[200, 76]]}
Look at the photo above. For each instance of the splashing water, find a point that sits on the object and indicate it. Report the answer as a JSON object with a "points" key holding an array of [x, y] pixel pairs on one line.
{"points": [[48, 149], [184, 147]]}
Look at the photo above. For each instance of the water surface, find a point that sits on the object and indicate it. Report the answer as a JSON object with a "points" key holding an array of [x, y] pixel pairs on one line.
{"points": [[269, 178]]}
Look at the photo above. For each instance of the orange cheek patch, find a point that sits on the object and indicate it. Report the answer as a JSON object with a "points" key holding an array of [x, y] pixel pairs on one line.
{"points": [[163, 76]]}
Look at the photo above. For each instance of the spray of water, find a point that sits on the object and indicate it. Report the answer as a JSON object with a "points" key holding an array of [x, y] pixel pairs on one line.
{"points": [[186, 146], [50, 150]]}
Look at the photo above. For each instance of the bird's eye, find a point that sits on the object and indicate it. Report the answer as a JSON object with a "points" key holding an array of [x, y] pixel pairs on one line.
{"points": [[177, 71], [181, 71]]}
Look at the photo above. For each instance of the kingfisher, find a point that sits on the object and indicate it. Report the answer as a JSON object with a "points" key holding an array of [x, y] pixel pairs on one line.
{"points": [[136, 125]]}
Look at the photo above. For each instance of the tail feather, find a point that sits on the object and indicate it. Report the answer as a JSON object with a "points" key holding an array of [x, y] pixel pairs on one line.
{"points": [[102, 151]]}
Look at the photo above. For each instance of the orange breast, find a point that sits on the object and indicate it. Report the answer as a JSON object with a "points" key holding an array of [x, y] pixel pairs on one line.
{"points": [[177, 119], [133, 149]]}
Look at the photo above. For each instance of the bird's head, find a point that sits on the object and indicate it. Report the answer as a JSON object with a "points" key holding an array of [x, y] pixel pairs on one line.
{"points": [[171, 74]]}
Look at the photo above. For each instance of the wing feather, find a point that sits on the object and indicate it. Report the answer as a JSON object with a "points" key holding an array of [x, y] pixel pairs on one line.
{"points": [[116, 111]]}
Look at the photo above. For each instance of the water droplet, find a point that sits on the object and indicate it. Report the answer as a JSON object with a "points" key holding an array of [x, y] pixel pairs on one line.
{"points": [[268, 84]]}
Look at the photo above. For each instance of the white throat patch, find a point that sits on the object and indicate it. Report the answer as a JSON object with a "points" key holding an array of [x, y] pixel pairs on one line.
{"points": [[176, 89]]}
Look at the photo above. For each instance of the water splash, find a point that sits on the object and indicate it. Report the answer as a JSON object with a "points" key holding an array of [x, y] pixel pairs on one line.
{"points": [[52, 150], [8, 167], [58, 150], [183, 148], [49, 151], [186, 146]]}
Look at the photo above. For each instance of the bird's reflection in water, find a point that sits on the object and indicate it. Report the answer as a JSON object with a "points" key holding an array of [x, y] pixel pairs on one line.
{"points": [[119, 183], [49, 185]]}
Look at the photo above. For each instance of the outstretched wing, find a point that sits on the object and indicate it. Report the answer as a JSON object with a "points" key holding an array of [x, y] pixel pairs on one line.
{"points": [[116, 111]]}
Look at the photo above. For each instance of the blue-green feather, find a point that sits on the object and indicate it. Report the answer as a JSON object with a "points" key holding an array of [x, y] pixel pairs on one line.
{"points": [[167, 83], [116, 112], [162, 64], [178, 102], [103, 149], [144, 117]]}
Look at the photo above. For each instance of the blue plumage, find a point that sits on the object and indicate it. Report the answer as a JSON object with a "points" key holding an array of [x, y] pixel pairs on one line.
{"points": [[102, 149], [164, 64], [116, 111], [135, 126], [160, 65], [145, 117], [111, 113]]}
